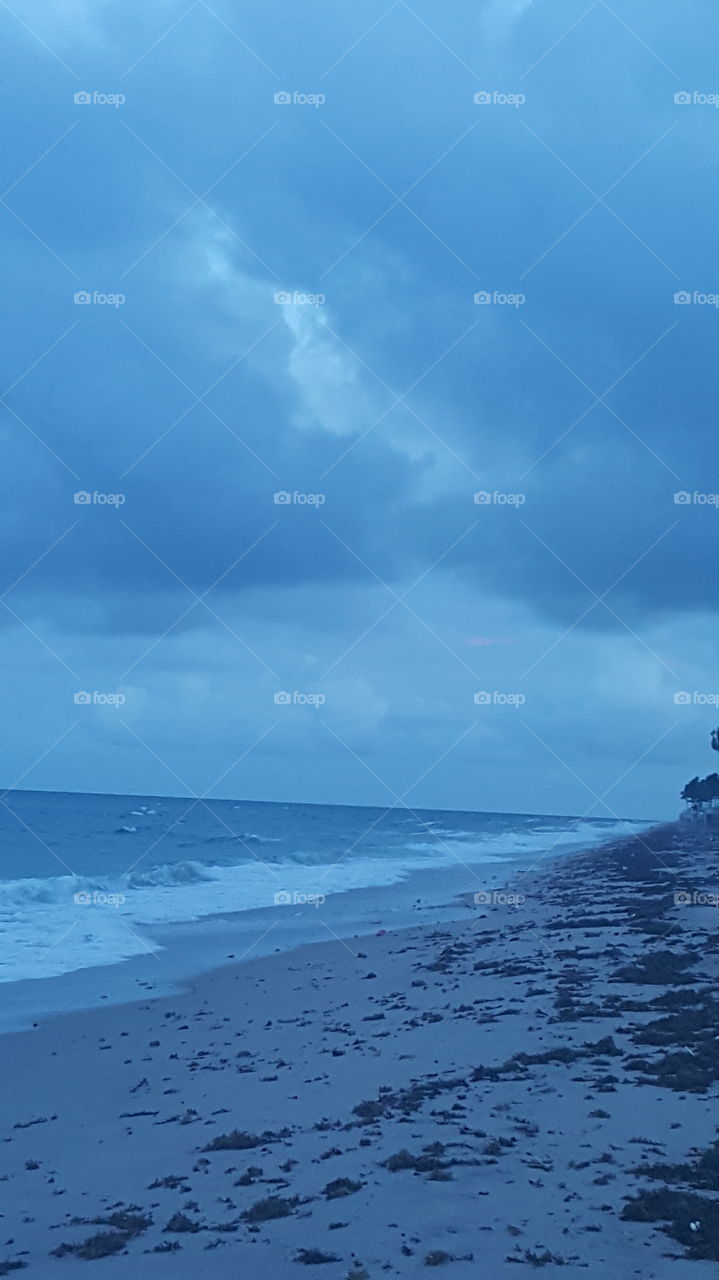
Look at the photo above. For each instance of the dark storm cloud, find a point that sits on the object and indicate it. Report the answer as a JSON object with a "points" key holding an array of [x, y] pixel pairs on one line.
{"points": [[396, 397]]}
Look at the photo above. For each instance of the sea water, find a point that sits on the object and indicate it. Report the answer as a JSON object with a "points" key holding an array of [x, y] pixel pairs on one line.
{"points": [[85, 878]]}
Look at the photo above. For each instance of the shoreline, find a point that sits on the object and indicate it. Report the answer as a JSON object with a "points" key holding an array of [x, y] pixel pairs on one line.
{"points": [[484, 1086], [118, 894], [177, 952]]}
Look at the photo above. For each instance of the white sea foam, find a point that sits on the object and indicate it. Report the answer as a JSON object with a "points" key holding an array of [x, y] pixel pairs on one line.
{"points": [[64, 923], [54, 926], [467, 846]]}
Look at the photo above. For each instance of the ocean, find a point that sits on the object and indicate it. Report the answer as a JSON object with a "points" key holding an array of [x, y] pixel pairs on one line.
{"points": [[86, 878]]}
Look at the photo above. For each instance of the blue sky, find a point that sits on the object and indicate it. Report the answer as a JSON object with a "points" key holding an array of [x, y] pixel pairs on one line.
{"points": [[581, 398]]}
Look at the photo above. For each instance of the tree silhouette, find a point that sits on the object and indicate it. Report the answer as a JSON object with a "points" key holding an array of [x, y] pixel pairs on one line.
{"points": [[691, 790], [702, 790]]}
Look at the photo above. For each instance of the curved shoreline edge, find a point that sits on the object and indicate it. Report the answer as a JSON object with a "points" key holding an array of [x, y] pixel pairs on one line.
{"points": [[534, 1085]]}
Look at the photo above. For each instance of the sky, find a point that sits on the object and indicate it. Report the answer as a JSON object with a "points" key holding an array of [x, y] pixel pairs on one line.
{"points": [[358, 404]]}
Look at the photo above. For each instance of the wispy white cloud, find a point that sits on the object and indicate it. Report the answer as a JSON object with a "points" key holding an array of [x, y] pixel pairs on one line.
{"points": [[326, 375], [62, 24], [499, 17]]}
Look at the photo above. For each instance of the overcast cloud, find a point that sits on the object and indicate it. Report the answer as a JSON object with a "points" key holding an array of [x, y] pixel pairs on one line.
{"points": [[578, 196]]}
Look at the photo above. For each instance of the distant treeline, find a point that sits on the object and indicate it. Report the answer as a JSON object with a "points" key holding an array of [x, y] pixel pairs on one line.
{"points": [[704, 788]]}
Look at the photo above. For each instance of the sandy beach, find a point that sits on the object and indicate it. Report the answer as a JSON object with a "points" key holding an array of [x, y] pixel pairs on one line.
{"points": [[533, 1084]]}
